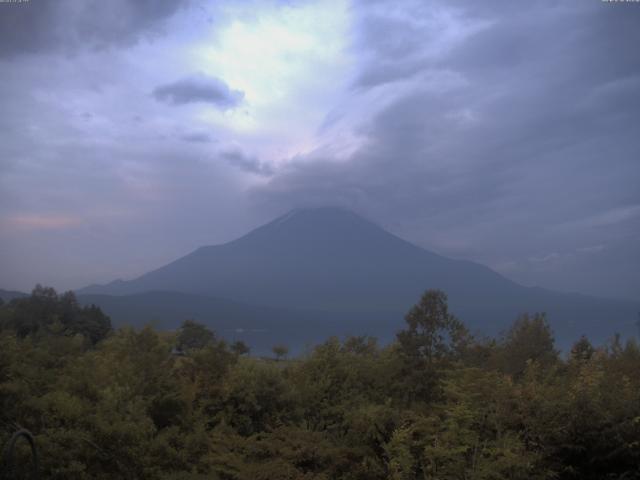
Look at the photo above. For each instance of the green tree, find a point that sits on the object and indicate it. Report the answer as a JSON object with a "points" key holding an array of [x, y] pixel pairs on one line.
{"points": [[582, 350], [280, 351], [193, 336], [45, 314], [240, 348], [433, 333], [255, 397], [528, 339], [432, 338]]}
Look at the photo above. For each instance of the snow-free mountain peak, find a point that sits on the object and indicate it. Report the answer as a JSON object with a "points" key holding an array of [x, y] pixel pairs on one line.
{"points": [[334, 261]]}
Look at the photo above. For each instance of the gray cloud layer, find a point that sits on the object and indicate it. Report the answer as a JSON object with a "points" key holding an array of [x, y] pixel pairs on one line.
{"points": [[199, 88], [502, 132], [46, 25], [247, 163], [501, 142]]}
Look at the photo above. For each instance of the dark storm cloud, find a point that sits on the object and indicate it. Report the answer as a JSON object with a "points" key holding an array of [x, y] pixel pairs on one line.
{"points": [[499, 143], [37, 26], [199, 88], [248, 163]]}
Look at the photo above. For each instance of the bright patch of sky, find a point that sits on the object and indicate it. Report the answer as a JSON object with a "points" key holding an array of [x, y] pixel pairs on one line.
{"points": [[292, 63]]}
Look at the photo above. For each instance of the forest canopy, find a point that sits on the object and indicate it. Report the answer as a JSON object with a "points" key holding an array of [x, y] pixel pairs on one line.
{"points": [[436, 403]]}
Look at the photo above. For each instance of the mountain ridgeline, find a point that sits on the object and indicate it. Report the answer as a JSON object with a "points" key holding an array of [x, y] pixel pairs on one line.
{"points": [[326, 271]]}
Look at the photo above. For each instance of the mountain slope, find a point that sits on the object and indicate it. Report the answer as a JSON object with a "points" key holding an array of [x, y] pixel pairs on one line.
{"points": [[332, 260], [322, 258]]}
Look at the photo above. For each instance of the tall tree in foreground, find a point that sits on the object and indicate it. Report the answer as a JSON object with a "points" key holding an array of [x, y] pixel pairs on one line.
{"points": [[529, 339], [433, 337]]}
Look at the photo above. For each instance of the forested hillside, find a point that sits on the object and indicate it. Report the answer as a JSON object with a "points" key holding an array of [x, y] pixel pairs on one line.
{"points": [[436, 403]]}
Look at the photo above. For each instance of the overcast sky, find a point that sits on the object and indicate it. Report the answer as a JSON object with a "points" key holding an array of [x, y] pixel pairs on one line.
{"points": [[134, 131]]}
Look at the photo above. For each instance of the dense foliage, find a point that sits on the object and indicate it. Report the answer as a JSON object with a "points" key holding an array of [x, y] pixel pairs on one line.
{"points": [[435, 404]]}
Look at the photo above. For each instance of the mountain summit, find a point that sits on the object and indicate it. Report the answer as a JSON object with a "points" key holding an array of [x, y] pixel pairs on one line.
{"points": [[334, 261], [324, 258]]}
